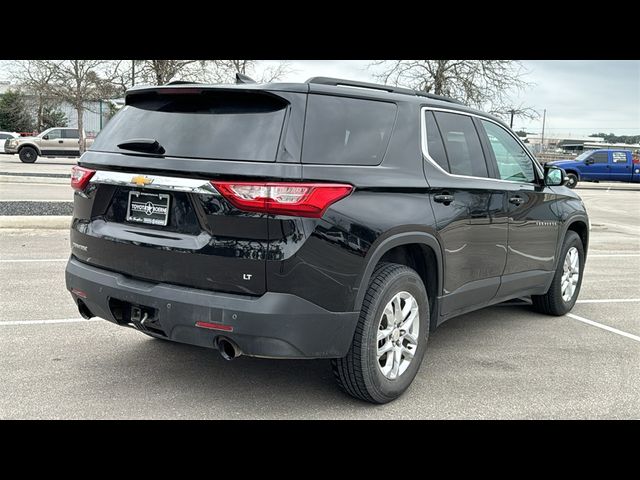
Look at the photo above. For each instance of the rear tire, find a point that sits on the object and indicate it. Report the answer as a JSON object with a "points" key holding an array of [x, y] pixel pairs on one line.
{"points": [[553, 302], [28, 155], [367, 374], [573, 180]]}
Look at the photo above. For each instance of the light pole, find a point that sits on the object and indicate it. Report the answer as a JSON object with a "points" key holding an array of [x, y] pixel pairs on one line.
{"points": [[544, 117]]}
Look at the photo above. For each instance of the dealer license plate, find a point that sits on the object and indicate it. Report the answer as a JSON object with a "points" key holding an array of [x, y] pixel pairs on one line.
{"points": [[149, 208]]}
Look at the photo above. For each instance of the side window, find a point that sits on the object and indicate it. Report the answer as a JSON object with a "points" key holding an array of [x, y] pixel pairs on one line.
{"points": [[54, 134], [4, 136], [462, 144], [70, 133], [346, 131], [435, 147], [512, 161], [600, 157], [619, 157]]}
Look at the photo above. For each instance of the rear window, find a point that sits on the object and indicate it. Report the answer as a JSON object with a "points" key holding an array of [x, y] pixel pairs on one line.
{"points": [[346, 131], [70, 133], [211, 125]]}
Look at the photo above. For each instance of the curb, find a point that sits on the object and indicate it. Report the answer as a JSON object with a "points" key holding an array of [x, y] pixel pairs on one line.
{"points": [[34, 179], [36, 221], [37, 174]]}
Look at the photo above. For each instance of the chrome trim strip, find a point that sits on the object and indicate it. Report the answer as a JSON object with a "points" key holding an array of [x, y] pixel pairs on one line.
{"points": [[425, 150], [158, 182]]}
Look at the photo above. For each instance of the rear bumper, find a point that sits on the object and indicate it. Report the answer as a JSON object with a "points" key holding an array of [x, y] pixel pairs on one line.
{"points": [[274, 325]]}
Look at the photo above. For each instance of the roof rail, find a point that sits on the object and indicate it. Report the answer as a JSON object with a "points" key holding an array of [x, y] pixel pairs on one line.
{"points": [[336, 82], [442, 98]]}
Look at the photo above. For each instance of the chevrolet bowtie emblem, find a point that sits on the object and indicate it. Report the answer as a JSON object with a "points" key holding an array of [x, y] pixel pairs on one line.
{"points": [[141, 180]]}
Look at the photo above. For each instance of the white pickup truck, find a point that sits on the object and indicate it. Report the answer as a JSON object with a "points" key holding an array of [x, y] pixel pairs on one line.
{"points": [[53, 142]]}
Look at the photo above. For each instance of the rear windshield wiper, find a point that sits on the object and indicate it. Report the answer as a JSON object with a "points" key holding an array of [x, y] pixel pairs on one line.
{"points": [[149, 145]]}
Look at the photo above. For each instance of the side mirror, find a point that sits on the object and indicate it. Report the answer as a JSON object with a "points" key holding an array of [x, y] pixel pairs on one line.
{"points": [[589, 161], [555, 176], [45, 137]]}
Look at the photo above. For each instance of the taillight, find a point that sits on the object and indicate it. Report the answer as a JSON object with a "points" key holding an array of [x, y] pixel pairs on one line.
{"points": [[80, 177], [298, 199]]}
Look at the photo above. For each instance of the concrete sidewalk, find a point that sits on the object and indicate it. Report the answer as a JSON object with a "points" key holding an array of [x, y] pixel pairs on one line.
{"points": [[56, 222]]}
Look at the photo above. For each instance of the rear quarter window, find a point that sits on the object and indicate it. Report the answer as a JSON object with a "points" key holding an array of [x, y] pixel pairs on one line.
{"points": [[347, 131]]}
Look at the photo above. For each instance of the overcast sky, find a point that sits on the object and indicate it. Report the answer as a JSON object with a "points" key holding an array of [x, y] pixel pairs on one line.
{"points": [[581, 96]]}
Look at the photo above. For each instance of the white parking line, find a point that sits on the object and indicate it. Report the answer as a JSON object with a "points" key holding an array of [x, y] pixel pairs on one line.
{"points": [[605, 255], [610, 300], [604, 327], [30, 260], [41, 322]]}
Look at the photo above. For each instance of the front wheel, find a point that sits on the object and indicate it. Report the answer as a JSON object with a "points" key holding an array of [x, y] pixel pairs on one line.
{"points": [[565, 287], [390, 339], [28, 155], [572, 181]]}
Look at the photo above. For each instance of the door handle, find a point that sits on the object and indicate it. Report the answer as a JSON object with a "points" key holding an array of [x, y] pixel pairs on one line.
{"points": [[516, 200], [59, 141], [443, 198]]}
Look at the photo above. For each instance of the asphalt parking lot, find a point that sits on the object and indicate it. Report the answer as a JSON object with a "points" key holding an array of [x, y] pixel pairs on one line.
{"points": [[502, 362]]}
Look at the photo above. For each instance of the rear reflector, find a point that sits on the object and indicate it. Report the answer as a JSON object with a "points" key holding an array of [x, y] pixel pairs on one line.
{"points": [[79, 293], [296, 199], [215, 326], [80, 177]]}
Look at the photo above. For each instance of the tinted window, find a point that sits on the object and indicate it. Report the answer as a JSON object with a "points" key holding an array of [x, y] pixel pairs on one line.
{"points": [[70, 133], [462, 144], [4, 136], [513, 162], [435, 147], [619, 157], [214, 125], [54, 134], [346, 131], [601, 157]]}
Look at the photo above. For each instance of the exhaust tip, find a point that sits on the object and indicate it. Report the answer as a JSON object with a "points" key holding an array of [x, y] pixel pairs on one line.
{"points": [[84, 310], [227, 348]]}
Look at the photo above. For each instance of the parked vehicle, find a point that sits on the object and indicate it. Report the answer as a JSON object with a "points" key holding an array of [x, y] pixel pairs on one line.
{"points": [[316, 220], [604, 165], [4, 136], [53, 142]]}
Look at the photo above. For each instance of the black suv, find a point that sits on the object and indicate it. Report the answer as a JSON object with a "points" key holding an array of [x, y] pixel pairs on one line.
{"points": [[326, 219]]}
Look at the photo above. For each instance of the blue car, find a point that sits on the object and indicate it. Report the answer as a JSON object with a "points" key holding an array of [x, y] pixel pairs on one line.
{"points": [[601, 165]]}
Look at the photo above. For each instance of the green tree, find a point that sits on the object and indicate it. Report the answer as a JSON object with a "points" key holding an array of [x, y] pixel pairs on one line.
{"points": [[613, 138], [52, 117], [14, 113]]}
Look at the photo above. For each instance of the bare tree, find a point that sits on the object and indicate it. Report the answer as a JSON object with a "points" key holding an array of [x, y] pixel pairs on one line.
{"points": [[485, 84], [276, 72], [224, 71], [35, 77], [80, 81], [160, 72]]}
